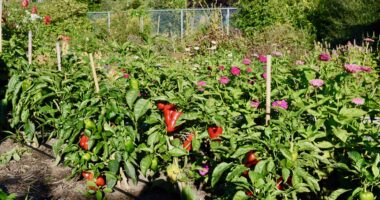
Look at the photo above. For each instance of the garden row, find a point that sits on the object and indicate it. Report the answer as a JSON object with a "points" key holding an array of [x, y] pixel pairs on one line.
{"points": [[201, 120]]}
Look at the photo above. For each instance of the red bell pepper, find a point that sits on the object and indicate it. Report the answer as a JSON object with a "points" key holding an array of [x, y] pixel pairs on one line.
{"points": [[215, 131], [187, 142], [174, 116]]}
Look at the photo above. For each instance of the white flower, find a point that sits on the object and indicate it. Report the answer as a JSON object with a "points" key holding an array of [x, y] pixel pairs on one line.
{"points": [[213, 48], [213, 42], [196, 48], [34, 17], [230, 55], [187, 49]]}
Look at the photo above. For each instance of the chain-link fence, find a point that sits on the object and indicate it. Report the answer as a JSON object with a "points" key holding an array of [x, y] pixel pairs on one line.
{"points": [[172, 22]]}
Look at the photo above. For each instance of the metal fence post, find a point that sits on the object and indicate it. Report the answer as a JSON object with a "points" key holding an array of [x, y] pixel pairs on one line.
{"points": [[109, 21], [228, 21], [182, 28]]}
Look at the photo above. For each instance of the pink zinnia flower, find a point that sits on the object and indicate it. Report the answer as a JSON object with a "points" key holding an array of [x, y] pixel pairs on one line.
{"points": [[324, 57], [255, 104], [249, 70], [246, 61], [280, 104], [316, 82], [224, 80], [221, 68], [25, 3], [352, 68], [358, 101], [300, 62], [277, 53], [201, 83], [47, 20], [126, 76], [204, 170], [262, 59], [264, 75], [34, 10], [365, 69], [235, 71]]}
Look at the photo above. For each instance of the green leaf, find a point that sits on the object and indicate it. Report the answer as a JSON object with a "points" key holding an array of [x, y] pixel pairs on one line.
{"points": [[334, 195], [141, 107], [99, 195], [341, 134], [177, 152], [285, 173], [107, 189], [260, 167], [113, 166], [130, 171], [153, 138], [188, 193], [218, 171], [111, 179], [324, 145], [286, 153], [242, 150], [375, 171], [132, 95], [236, 172], [145, 164], [351, 112], [240, 195]]}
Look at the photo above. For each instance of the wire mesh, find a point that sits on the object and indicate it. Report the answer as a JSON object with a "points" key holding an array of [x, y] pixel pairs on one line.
{"points": [[174, 22]]}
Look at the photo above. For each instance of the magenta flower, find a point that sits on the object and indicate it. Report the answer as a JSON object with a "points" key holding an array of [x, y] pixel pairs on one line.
{"points": [[316, 83], [280, 104], [224, 80], [249, 70], [246, 61], [365, 69], [264, 75], [221, 68], [300, 62], [352, 68], [262, 59], [201, 83], [204, 170], [358, 101], [277, 53], [255, 104], [126, 76], [235, 71], [324, 57]]}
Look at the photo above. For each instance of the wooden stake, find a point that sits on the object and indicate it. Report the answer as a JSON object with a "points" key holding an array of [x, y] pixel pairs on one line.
{"points": [[94, 73], [58, 49], [158, 24], [268, 89], [1, 26], [30, 48]]}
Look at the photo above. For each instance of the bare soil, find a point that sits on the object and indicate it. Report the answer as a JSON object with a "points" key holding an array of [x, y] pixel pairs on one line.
{"points": [[36, 177]]}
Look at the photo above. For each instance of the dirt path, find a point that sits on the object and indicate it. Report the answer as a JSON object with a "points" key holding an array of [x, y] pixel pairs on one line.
{"points": [[35, 176]]}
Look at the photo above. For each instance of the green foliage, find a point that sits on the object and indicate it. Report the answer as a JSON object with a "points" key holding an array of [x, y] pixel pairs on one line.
{"points": [[339, 20], [257, 14]]}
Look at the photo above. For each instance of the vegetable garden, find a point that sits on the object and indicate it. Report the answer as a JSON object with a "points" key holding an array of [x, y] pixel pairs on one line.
{"points": [[198, 121]]}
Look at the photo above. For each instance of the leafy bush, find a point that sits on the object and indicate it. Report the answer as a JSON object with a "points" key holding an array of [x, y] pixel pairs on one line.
{"points": [[258, 14], [339, 20]]}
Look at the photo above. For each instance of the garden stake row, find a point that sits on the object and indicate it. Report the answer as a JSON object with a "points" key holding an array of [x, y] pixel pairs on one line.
{"points": [[268, 89]]}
